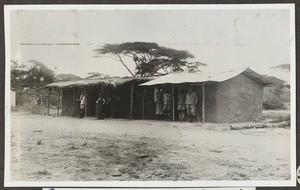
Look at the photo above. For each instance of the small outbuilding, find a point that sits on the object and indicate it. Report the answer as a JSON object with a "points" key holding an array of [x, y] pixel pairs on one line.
{"points": [[12, 98]]}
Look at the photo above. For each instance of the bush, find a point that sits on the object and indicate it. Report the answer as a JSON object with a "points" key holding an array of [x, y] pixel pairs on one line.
{"points": [[273, 104], [276, 97]]}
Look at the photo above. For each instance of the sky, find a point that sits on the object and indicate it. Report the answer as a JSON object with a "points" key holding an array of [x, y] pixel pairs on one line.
{"points": [[224, 39]]}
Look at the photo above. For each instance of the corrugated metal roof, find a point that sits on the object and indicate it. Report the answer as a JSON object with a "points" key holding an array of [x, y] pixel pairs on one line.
{"points": [[114, 81], [179, 78]]}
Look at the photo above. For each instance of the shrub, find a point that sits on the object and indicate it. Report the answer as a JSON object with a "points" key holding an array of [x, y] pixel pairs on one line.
{"points": [[273, 104], [276, 97]]}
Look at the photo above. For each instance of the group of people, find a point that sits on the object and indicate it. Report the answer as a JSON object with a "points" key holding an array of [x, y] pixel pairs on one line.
{"points": [[186, 105], [105, 106]]}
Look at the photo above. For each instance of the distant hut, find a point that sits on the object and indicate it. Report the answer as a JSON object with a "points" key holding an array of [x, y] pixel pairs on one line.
{"points": [[12, 98], [133, 99], [224, 97]]}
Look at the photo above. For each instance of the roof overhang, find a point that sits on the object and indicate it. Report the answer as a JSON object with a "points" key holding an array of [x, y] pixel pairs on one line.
{"points": [[113, 81], [197, 78]]}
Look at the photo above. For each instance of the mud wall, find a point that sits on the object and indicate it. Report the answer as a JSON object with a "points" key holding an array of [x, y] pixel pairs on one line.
{"points": [[236, 100], [210, 102]]}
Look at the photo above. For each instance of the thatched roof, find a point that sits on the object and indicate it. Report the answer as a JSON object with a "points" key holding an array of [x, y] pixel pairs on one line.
{"points": [[181, 78], [113, 81]]}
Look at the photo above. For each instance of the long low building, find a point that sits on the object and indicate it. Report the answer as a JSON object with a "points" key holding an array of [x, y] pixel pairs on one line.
{"points": [[224, 97]]}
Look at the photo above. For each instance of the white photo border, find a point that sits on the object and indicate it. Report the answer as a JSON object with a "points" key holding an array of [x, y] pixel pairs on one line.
{"points": [[265, 183]]}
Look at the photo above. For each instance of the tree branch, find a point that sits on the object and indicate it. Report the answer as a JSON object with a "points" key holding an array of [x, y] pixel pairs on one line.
{"points": [[120, 59]]}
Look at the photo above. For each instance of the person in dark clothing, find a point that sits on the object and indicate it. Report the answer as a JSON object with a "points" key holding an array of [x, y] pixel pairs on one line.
{"points": [[99, 107], [106, 107]]}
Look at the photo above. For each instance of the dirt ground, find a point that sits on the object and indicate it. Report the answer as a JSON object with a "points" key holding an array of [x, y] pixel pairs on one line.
{"points": [[46, 148]]}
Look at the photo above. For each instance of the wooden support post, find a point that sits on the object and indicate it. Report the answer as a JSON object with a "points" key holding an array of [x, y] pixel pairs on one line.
{"points": [[58, 102], [73, 106], [173, 96], [143, 103], [48, 102], [203, 102], [86, 103], [131, 102]]}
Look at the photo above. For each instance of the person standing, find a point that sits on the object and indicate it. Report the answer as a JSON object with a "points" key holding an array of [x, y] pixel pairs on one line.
{"points": [[107, 107], [99, 107], [191, 101], [181, 105], [159, 104], [167, 105], [82, 100]]}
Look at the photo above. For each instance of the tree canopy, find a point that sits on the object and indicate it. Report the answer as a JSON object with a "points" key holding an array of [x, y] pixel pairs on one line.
{"points": [[67, 77], [39, 75], [96, 75], [18, 76], [150, 58], [35, 76], [284, 67]]}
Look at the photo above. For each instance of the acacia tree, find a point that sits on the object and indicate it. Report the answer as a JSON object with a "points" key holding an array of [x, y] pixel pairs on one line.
{"points": [[150, 58]]}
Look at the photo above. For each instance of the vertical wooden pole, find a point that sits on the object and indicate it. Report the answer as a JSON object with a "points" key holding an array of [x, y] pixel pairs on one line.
{"points": [[73, 106], [27, 96], [58, 102], [86, 103], [131, 101], [173, 96], [203, 102], [48, 102], [143, 103]]}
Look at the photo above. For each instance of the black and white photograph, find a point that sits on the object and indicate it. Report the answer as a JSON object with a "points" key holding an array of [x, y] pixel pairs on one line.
{"points": [[150, 95]]}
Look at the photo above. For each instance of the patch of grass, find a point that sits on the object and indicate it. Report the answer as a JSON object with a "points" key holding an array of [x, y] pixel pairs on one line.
{"points": [[73, 147], [276, 116], [39, 142], [43, 172]]}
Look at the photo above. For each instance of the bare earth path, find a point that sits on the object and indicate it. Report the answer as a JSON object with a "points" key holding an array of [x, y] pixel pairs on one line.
{"points": [[65, 148]]}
